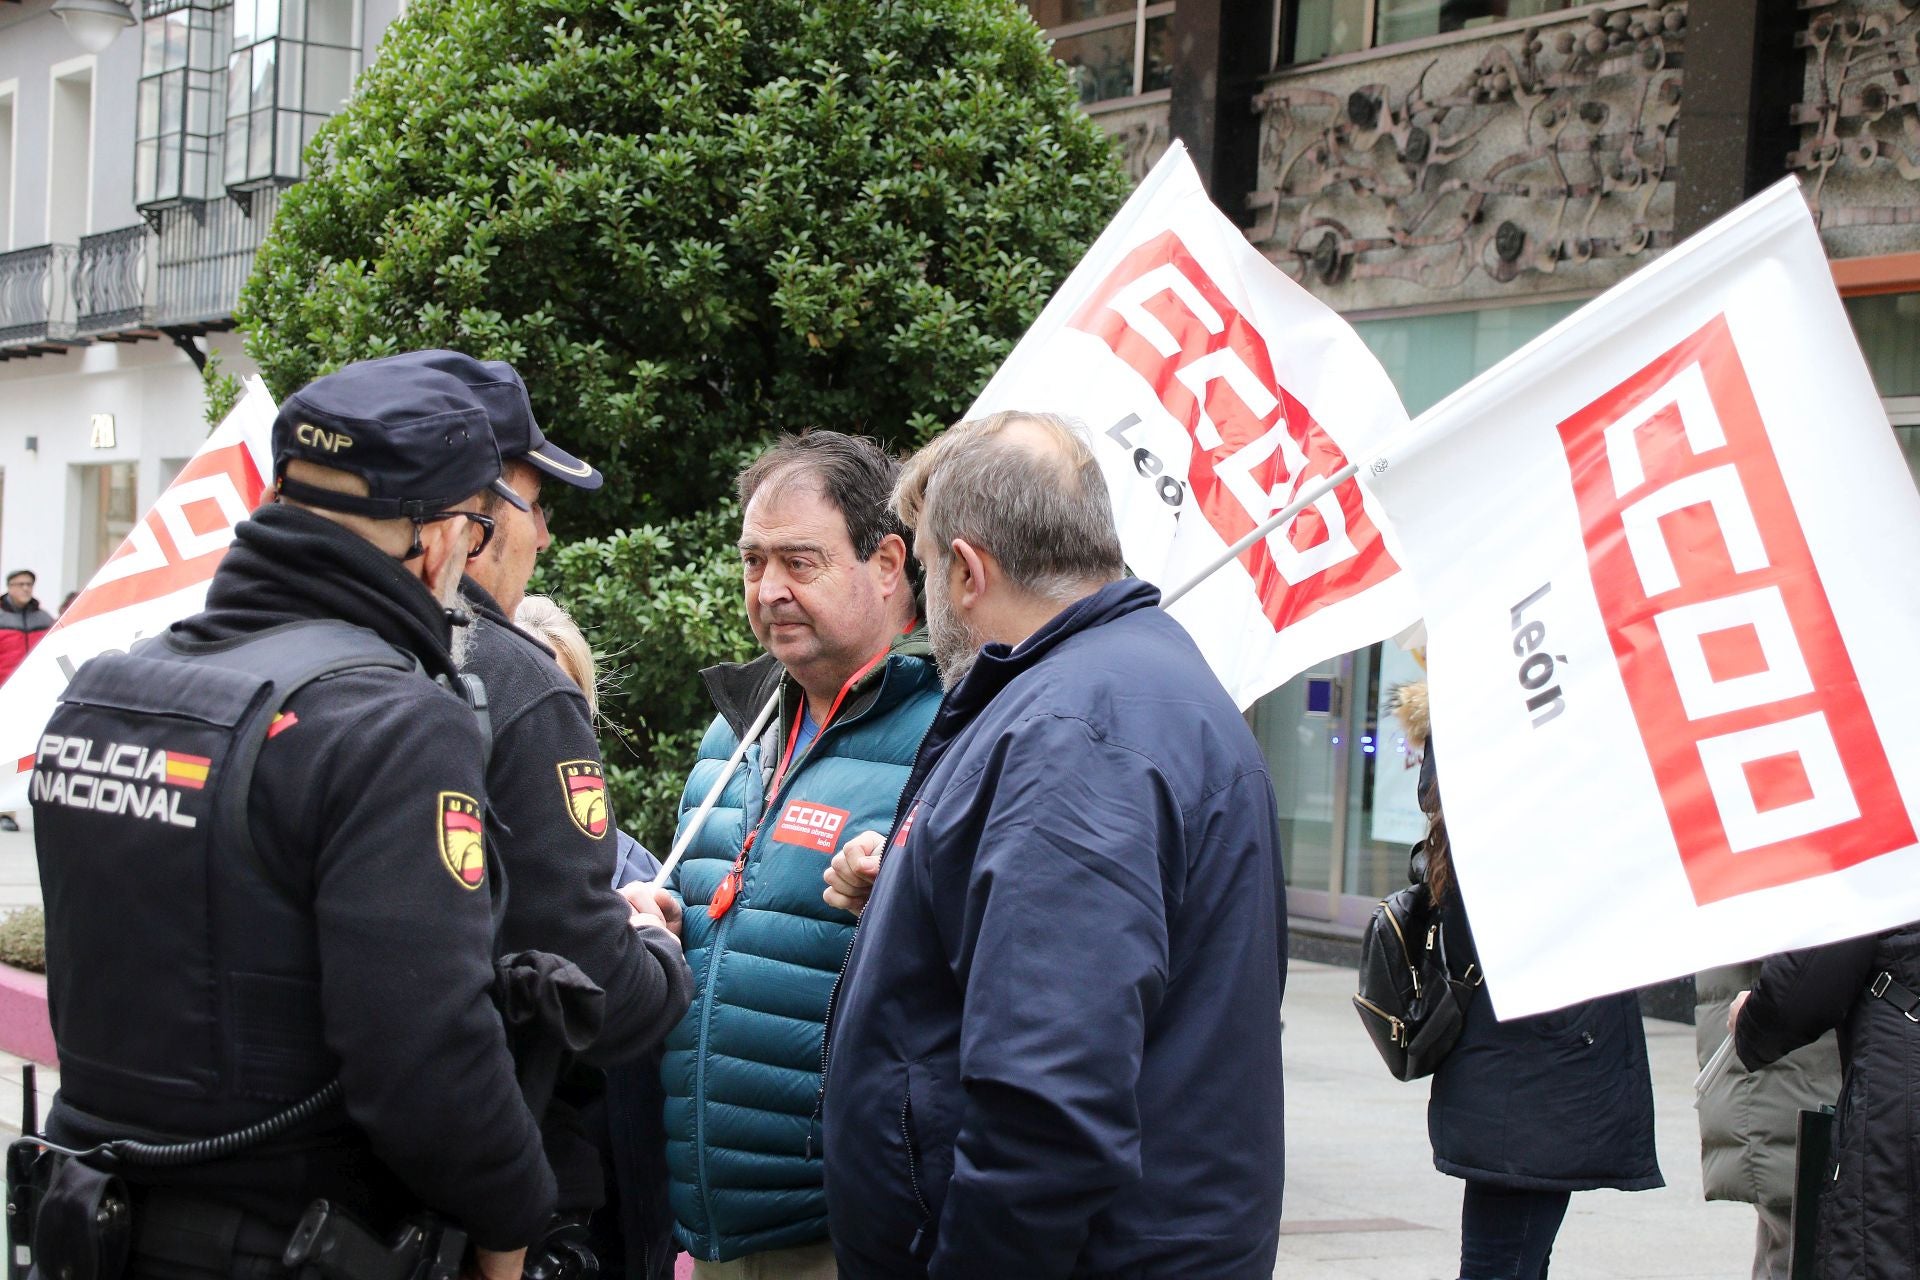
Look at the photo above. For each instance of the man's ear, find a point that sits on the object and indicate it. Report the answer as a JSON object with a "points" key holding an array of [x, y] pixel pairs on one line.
{"points": [[977, 568], [890, 560]]}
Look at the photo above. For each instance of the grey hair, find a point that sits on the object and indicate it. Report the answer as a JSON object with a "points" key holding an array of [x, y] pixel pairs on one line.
{"points": [[1045, 517]]}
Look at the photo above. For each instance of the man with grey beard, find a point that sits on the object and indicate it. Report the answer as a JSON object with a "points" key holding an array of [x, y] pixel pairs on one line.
{"points": [[1056, 1047], [262, 847]]}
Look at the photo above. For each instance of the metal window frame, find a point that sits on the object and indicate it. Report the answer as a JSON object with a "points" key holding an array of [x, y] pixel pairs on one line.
{"points": [[282, 171], [219, 29], [1284, 11], [1143, 12]]}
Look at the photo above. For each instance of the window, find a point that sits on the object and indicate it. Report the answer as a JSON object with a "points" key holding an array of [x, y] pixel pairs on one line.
{"points": [[292, 66], [69, 193], [177, 138], [1112, 48], [1888, 327], [1315, 29], [107, 513]]}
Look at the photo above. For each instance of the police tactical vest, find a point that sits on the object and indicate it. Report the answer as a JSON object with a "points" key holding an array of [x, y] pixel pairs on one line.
{"points": [[183, 975]]}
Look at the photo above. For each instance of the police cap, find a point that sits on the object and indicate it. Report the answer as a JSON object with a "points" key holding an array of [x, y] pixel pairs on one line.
{"points": [[499, 387], [415, 432]]}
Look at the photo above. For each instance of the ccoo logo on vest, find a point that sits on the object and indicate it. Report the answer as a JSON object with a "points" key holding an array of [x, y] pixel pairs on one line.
{"points": [[118, 778], [584, 785]]}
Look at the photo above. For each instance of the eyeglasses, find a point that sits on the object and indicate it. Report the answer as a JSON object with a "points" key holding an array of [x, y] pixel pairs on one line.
{"points": [[485, 523]]}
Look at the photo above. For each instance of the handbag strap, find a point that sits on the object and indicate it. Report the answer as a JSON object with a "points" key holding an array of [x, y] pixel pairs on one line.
{"points": [[1885, 988]]}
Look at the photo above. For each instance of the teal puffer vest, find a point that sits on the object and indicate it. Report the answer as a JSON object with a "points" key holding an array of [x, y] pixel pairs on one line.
{"points": [[742, 1070]]}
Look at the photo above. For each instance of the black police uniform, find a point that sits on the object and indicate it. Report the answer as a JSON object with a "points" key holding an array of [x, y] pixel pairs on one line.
{"points": [[200, 980], [546, 786]]}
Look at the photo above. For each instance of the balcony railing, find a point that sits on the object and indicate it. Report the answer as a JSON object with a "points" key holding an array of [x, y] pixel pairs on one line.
{"points": [[36, 295], [205, 253], [110, 281]]}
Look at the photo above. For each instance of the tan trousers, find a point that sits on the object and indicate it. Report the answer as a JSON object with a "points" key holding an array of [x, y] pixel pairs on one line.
{"points": [[802, 1262]]}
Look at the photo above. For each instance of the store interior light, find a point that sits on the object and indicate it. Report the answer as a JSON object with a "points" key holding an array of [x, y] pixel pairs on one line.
{"points": [[95, 24]]}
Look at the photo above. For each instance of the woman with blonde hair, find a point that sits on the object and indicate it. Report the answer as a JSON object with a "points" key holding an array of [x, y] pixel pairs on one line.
{"points": [[634, 1133]]}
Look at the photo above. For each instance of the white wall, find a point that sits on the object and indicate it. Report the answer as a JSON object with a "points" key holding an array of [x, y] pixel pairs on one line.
{"points": [[154, 393]]}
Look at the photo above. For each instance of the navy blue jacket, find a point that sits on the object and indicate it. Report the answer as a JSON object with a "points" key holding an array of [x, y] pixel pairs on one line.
{"points": [[1056, 1046], [1559, 1101]]}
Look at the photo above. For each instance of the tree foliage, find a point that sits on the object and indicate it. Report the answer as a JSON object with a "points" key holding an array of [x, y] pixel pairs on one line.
{"points": [[689, 224]]}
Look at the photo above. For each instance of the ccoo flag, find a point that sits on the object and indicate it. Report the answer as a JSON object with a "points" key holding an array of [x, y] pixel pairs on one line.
{"points": [[1213, 389], [158, 575], [1664, 554]]}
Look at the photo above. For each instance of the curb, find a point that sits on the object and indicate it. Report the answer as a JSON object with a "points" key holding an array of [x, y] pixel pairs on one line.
{"points": [[25, 1031]]}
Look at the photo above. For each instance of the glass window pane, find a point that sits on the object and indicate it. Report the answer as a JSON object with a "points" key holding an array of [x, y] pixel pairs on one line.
{"points": [[145, 156], [1428, 357], [149, 113], [331, 22], [168, 186], [329, 79], [1888, 327], [239, 83], [287, 160], [260, 146], [200, 49], [176, 40], [1158, 71], [193, 177], [1058, 13], [1322, 28], [266, 22], [235, 168], [264, 59], [200, 110], [153, 54], [292, 58], [243, 22], [1100, 62], [173, 102], [293, 19]]}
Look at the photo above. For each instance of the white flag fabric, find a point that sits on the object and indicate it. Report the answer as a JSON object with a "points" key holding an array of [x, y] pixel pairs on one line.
{"points": [[1213, 389], [158, 575], [1665, 557]]}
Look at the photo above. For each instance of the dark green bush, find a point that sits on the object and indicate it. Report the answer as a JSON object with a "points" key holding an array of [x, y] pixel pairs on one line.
{"points": [[689, 225]]}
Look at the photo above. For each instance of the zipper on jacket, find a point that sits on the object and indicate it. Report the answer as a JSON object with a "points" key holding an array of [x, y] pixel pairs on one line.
{"points": [[715, 951], [913, 1155], [833, 994]]}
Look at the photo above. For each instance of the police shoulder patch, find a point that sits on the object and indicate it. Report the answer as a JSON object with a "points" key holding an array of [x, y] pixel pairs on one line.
{"points": [[583, 785], [462, 845]]}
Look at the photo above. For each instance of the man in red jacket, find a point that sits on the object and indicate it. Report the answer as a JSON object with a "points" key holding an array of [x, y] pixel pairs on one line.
{"points": [[22, 621]]}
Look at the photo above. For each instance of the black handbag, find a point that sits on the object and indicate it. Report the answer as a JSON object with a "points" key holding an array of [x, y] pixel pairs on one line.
{"points": [[1410, 1001]]}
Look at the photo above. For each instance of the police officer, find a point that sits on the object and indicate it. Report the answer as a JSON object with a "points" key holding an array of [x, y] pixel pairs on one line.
{"points": [[548, 788], [260, 844]]}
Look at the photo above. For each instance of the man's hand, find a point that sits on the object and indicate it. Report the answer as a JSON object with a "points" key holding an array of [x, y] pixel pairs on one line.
{"points": [[1733, 1013], [488, 1265], [652, 906], [850, 875]]}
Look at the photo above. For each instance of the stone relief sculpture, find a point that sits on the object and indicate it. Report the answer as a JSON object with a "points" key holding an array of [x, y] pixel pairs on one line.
{"points": [[1462, 168]]}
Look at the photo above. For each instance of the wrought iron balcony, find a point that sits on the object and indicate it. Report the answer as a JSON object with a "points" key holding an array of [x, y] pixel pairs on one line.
{"points": [[111, 282], [36, 298], [205, 252]]}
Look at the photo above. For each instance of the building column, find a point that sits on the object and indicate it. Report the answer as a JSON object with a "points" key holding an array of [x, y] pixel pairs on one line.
{"points": [[1221, 49], [1742, 77]]}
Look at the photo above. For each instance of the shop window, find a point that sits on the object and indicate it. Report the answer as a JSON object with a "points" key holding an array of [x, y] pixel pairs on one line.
{"points": [[1888, 327], [1315, 29], [292, 66], [177, 130], [1113, 49]]}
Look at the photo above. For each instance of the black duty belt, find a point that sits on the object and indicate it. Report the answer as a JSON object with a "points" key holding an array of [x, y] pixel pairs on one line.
{"points": [[196, 1234], [1885, 988]]}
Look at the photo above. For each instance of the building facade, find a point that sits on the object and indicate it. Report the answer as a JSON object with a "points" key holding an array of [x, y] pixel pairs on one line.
{"points": [[135, 185], [1454, 176]]}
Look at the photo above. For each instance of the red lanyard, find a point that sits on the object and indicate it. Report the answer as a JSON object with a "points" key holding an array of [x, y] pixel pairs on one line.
{"points": [[729, 890]]}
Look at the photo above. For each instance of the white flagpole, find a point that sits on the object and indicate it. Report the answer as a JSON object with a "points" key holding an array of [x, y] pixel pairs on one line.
{"points": [[699, 818], [1312, 495]]}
